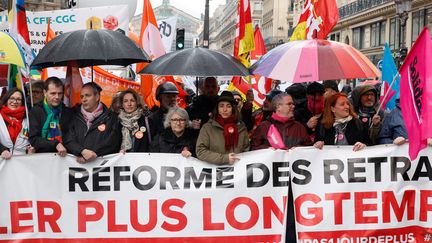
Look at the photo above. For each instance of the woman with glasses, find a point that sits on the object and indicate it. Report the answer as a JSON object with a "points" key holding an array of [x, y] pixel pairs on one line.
{"points": [[177, 137], [340, 125], [224, 135], [135, 123], [13, 125]]}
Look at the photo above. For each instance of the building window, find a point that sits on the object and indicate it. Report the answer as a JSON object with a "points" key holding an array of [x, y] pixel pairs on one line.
{"points": [[257, 6], [394, 42], [418, 22], [377, 34], [358, 38]]}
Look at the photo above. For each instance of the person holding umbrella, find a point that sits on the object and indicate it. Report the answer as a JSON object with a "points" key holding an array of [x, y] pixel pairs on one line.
{"points": [[135, 124], [94, 129], [13, 125], [340, 125], [224, 135]]}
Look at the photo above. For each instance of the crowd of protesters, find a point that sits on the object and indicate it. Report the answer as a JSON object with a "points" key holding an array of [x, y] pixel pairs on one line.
{"points": [[214, 128]]}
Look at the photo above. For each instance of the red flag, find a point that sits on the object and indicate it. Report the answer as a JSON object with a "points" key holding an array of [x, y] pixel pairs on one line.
{"points": [[260, 85], [415, 93], [49, 36], [318, 18]]}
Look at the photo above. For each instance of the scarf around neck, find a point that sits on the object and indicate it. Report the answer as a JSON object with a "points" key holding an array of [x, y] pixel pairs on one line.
{"points": [[129, 122], [279, 118], [51, 129], [89, 117], [231, 133], [13, 120]]}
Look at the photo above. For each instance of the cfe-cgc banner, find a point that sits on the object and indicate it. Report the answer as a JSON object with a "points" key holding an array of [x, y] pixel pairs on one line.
{"points": [[66, 20], [143, 197], [376, 195]]}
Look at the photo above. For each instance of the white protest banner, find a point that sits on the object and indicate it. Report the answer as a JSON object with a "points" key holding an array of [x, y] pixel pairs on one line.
{"points": [[143, 197], [66, 20], [167, 30], [376, 195]]}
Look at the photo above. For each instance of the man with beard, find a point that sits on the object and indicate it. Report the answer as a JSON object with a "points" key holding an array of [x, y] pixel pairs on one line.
{"points": [[365, 102], [166, 94]]}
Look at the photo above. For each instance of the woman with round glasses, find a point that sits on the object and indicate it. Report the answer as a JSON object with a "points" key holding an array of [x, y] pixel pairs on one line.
{"points": [[13, 125], [177, 137]]}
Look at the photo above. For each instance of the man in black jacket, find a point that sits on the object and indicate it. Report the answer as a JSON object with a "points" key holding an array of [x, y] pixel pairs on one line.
{"points": [[203, 105], [49, 119], [94, 129]]}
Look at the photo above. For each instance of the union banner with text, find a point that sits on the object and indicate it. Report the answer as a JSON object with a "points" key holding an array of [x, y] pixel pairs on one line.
{"points": [[375, 195]]}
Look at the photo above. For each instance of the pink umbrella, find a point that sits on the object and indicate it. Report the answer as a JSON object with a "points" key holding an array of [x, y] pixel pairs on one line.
{"points": [[313, 60]]}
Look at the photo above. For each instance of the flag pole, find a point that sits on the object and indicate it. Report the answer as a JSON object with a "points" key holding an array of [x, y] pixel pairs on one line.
{"points": [[25, 100], [386, 94], [8, 77]]}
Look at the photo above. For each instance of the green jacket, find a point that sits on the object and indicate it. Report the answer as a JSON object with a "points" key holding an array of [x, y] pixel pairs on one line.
{"points": [[210, 145]]}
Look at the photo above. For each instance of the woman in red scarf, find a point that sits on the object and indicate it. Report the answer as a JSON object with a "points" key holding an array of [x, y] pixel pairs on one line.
{"points": [[13, 125], [223, 136]]}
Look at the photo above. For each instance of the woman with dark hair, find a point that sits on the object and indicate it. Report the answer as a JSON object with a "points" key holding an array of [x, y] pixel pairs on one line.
{"points": [[94, 130], [134, 121], [340, 125], [177, 137], [223, 136], [13, 125]]}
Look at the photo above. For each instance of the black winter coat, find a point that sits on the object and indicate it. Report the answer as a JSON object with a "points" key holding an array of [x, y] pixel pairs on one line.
{"points": [[142, 144], [167, 142], [37, 119], [202, 108], [157, 119], [354, 132], [103, 137]]}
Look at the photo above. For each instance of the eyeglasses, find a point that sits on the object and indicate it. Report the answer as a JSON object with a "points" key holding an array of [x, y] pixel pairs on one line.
{"points": [[178, 120], [17, 100], [238, 100]]}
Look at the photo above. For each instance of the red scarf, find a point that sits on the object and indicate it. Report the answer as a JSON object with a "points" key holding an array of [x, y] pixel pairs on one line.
{"points": [[13, 120], [231, 134], [279, 118]]}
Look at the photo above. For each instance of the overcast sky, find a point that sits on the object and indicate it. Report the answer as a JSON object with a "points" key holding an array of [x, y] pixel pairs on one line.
{"points": [[192, 7]]}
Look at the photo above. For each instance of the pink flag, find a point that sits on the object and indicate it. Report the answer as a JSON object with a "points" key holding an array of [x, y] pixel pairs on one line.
{"points": [[415, 93]]}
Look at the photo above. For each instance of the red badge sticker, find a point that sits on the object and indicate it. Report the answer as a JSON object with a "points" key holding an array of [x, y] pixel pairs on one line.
{"points": [[340, 136], [102, 127], [139, 134], [364, 119], [230, 130]]}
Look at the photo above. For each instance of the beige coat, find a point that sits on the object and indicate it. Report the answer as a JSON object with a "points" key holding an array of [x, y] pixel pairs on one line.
{"points": [[210, 145]]}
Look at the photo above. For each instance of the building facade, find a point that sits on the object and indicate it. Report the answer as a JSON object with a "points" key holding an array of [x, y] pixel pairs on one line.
{"points": [[277, 22], [368, 24], [191, 24], [223, 24], [37, 5]]}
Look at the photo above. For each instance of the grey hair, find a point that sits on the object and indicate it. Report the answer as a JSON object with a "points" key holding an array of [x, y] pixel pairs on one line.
{"points": [[176, 110], [278, 99]]}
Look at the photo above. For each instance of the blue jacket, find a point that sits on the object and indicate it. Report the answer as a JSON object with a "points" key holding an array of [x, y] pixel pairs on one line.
{"points": [[393, 126]]}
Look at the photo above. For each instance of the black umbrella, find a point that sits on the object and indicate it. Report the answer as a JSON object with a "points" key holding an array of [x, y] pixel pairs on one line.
{"points": [[90, 48], [196, 62]]}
